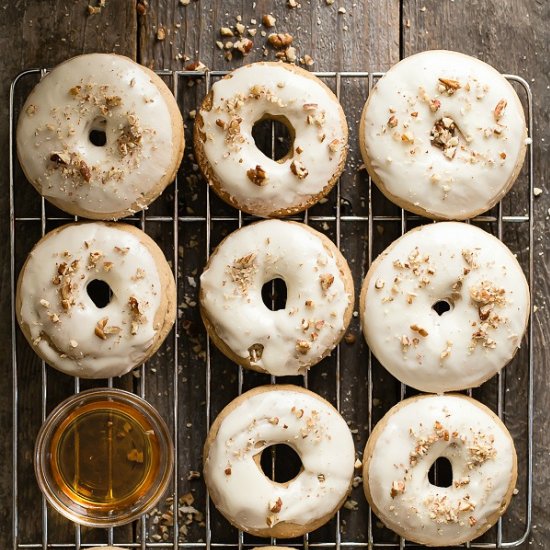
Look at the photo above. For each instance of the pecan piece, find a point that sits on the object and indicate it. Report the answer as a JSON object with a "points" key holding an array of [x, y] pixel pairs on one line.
{"points": [[499, 109], [450, 85], [298, 169], [280, 40], [257, 176]]}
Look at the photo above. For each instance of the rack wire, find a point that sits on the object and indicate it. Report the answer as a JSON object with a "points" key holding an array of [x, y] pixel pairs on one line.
{"points": [[369, 226]]}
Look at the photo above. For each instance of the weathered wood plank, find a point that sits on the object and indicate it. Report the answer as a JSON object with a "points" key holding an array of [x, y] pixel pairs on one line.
{"points": [[38, 34], [512, 36]]}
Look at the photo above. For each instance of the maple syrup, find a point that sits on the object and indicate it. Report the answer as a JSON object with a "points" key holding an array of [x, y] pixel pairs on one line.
{"points": [[104, 454], [103, 457]]}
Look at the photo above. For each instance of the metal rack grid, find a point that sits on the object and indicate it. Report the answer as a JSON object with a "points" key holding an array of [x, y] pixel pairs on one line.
{"points": [[141, 529]]}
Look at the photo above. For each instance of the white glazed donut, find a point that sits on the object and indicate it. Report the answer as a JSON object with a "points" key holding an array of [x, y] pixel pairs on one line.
{"points": [[142, 127], [232, 163], [273, 415], [319, 301], [471, 271], [409, 439], [61, 321], [443, 135]]}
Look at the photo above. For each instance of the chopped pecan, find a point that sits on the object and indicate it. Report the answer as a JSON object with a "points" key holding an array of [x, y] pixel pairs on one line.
{"points": [[499, 109], [298, 169], [280, 40], [257, 176]]}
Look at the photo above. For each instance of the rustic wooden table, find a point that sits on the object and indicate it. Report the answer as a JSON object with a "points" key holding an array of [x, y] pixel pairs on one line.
{"points": [[346, 35]]}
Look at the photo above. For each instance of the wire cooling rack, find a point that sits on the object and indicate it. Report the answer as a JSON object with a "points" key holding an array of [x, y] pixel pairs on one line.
{"points": [[189, 381]]}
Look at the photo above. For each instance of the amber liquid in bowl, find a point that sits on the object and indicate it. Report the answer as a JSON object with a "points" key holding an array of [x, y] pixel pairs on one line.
{"points": [[105, 455]]}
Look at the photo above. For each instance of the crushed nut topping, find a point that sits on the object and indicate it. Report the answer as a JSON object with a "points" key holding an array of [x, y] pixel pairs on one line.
{"points": [[257, 175], [397, 488], [470, 257], [129, 141], [435, 105], [481, 450], [326, 281], [420, 330], [499, 109], [280, 40], [444, 136], [392, 121], [103, 331], [449, 85], [303, 346], [379, 284], [137, 315], [298, 169], [276, 506], [242, 272]]}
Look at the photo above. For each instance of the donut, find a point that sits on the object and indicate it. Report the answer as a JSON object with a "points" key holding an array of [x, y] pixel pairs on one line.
{"points": [[443, 135], [273, 415], [55, 303], [135, 125], [444, 307], [232, 163], [409, 439], [318, 307]]}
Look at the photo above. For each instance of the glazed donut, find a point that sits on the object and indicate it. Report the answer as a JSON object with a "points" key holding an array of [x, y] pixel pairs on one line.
{"points": [[443, 134], [272, 415], [238, 171], [444, 307], [62, 322], [409, 439], [319, 301], [134, 115]]}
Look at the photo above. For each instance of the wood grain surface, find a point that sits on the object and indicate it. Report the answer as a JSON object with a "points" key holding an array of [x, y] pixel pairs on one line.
{"points": [[512, 35]]}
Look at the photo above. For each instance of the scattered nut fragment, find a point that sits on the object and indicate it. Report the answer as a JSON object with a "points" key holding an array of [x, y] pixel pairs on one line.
{"points": [[537, 191], [449, 85], [298, 169], [326, 280], [379, 284], [303, 346], [420, 330], [280, 40], [161, 33], [227, 471], [257, 176], [276, 506], [268, 21], [435, 104], [392, 121], [397, 488], [226, 31], [499, 109]]}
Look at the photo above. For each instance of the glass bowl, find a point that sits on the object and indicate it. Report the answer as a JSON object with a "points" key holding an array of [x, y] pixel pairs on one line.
{"points": [[103, 457]]}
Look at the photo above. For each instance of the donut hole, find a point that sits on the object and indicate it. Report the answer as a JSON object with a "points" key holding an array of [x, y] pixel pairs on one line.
{"points": [[99, 292], [97, 135], [442, 306], [274, 294], [441, 473], [280, 463], [274, 137]]}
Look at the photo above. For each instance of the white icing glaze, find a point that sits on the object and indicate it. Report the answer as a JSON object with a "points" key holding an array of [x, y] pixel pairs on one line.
{"points": [[445, 261], [312, 321], [101, 252], [73, 100], [417, 433], [318, 122], [402, 155], [308, 424]]}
